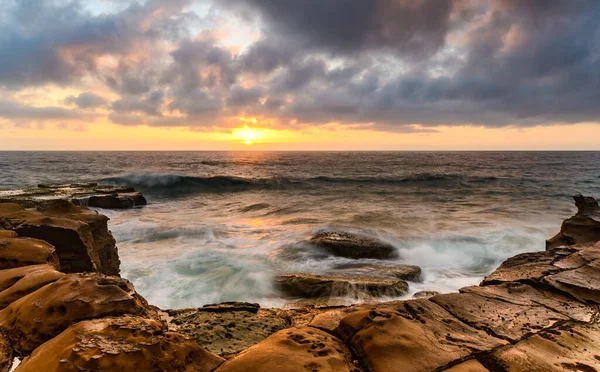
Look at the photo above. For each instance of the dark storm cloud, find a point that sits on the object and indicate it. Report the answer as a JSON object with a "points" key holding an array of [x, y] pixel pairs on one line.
{"points": [[410, 28], [87, 100], [385, 64], [46, 41]]}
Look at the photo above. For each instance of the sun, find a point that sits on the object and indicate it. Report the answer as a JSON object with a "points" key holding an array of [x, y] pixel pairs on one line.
{"points": [[247, 134]]}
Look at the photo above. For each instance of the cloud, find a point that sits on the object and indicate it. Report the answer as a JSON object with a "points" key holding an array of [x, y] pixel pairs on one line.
{"points": [[86, 100], [394, 65], [17, 111]]}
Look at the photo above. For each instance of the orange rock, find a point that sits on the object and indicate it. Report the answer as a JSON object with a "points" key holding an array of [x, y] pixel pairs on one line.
{"points": [[43, 314], [412, 336], [469, 366], [293, 350], [80, 236], [120, 344], [582, 283], [8, 234], [569, 347], [18, 252], [498, 317], [21, 281], [584, 227], [6, 354]]}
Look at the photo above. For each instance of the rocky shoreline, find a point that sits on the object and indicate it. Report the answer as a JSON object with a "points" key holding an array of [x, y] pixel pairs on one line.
{"points": [[63, 306]]}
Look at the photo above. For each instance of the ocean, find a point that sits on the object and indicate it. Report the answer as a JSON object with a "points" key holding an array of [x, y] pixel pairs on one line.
{"points": [[220, 226]]}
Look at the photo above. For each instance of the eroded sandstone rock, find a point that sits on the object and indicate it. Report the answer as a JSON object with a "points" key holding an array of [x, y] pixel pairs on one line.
{"points": [[80, 237], [505, 320], [21, 281], [293, 350], [526, 295], [43, 314], [528, 267], [468, 366], [582, 283], [584, 227], [6, 354], [228, 328], [354, 246], [569, 347], [314, 286], [411, 336], [120, 344], [18, 252]]}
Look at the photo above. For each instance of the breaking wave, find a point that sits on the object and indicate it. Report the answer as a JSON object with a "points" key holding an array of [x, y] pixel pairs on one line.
{"points": [[180, 184]]}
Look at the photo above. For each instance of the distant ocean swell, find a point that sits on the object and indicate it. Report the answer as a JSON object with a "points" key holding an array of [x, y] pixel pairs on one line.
{"points": [[170, 183]]}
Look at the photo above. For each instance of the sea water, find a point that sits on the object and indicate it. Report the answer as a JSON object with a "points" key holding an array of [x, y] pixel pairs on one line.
{"points": [[220, 226]]}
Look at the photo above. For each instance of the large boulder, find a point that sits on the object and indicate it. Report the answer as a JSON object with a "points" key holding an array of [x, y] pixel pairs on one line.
{"points": [[315, 286], [120, 344], [80, 236], [21, 281], [229, 328], [345, 244], [292, 350], [18, 252], [43, 314], [582, 228]]}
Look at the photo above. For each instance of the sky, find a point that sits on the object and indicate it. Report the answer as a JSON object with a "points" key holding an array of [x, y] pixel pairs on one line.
{"points": [[300, 75]]}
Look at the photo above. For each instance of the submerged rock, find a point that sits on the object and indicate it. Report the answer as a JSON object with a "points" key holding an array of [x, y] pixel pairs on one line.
{"points": [[83, 194], [398, 271], [314, 286], [425, 294], [293, 350], [354, 246], [582, 228], [120, 344], [80, 236], [228, 328]]}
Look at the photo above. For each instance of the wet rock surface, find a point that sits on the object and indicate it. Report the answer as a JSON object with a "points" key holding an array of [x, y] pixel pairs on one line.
{"points": [[120, 344], [345, 244], [315, 286], [227, 329], [84, 194], [409, 273]]}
